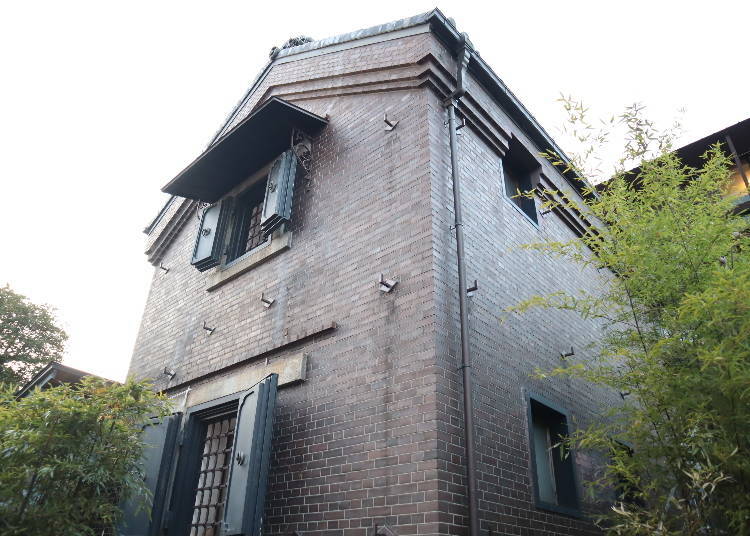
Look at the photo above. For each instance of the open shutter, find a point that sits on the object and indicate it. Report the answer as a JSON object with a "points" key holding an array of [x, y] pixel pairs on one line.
{"points": [[159, 437], [277, 208], [251, 455], [210, 240]]}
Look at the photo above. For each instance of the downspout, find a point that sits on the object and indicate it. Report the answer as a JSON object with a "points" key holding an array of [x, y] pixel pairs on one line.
{"points": [[464, 55]]}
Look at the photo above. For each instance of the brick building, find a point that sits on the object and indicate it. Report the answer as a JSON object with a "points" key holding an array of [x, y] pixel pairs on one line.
{"points": [[312, 248]]}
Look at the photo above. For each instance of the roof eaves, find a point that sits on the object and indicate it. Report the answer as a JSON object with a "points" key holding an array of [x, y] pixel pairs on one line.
{"points": [[159, 216], [444, 28], [48, 373], [447, 31]]}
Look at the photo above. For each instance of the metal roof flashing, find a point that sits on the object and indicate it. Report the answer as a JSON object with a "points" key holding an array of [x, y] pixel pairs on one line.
{"points": [[359, 34]]}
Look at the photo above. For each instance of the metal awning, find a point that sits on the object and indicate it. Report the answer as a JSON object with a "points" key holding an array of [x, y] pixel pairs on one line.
{"points": [[255, 141]]}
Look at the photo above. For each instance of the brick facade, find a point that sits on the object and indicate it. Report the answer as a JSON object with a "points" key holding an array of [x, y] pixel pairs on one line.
{"points": [[373, 435]]}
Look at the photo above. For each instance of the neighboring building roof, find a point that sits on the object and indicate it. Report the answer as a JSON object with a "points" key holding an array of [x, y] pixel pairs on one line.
{"points": [[447, 32], [691, 153], [50, 376]]}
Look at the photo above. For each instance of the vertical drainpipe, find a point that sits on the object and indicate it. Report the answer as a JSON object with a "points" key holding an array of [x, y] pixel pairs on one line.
{"points": [[450, 103]]}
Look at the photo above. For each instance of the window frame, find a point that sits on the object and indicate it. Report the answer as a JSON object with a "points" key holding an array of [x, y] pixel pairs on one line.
{"points": [[520, 158], [238, 220], [509, 196], [277, 242], [575, 509], [190, 450]]}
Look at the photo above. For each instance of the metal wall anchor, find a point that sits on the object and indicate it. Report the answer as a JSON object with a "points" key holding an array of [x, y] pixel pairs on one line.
{"points": [[389, 125], [266, 302], [387, 285], [161, 266], [169, 372], [472, 289], [210, 330], [567, 354], [458, 127], [384, 530]]}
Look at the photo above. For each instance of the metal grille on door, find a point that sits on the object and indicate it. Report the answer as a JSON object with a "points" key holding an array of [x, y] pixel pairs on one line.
{"points": [[210, 495]]}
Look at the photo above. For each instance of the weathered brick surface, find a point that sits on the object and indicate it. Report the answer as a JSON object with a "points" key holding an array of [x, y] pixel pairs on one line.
{"points": [[375, 433]]}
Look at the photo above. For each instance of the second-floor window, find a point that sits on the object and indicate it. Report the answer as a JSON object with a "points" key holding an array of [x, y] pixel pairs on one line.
{"points": [[246, 227], [518, 180], [520, 174], [238, 224]]}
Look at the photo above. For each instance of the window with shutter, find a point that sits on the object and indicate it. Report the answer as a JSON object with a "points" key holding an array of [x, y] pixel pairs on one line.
{"points": [[246, 228], [160, 438], [250, 218], [277, 208], [251, 457], [210, 240], [220, 482]]}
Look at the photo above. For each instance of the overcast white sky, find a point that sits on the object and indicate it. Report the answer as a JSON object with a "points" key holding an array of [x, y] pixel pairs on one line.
{"points": [[101, 103]]}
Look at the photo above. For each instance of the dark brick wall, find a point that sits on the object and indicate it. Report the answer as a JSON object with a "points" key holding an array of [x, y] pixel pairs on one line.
{"points": [[505, 355], [374, 433], [356, 443]]}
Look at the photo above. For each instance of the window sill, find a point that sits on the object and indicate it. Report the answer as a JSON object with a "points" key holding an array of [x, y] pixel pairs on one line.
{"points": [[557, 509], [225, 273]]}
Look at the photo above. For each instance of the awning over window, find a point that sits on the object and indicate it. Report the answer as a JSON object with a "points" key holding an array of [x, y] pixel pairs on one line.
{"points": [[255, 141]]}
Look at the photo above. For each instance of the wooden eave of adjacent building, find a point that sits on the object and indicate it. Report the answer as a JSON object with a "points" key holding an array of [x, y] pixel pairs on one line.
{"points": [[50, 376]]}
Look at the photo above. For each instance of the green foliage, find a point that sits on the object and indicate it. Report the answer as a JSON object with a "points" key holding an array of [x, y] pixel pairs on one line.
{"points": [[675, 304], [69, 454], [29, 337]]}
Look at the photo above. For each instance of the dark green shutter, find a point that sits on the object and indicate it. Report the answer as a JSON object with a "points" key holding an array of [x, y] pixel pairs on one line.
{"points": [[251, 456], [277, 208], [159, 437], [210, 240]]}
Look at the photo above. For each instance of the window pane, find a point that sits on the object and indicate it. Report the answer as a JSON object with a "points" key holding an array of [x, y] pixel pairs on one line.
{"points": [[518, 180], [512, 184], [543, 461], [254, 235], [247, 234]]}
